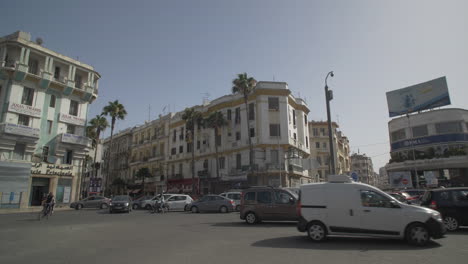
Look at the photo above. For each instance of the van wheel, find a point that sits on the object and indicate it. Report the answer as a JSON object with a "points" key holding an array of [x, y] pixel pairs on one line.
{"points": [[417, 234], [251, 218], [78, 206], [317, 232], [451, 223]]}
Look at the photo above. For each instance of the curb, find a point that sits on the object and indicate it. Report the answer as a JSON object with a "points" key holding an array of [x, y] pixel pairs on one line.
{"points": [[30, 210]]}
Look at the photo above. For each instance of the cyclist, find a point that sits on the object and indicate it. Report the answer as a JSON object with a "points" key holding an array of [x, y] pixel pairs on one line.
{"points": [[50, 202]]}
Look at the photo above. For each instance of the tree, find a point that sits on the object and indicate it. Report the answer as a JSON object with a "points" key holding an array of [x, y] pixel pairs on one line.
{"points": [[97, 125], [216, 121], [245, 85], [142, 174], [119, 184], [191, 117], [116, 111]]}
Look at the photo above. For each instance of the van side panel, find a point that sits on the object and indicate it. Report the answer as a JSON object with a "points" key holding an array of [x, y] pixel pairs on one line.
{"points": [[313, 202]]}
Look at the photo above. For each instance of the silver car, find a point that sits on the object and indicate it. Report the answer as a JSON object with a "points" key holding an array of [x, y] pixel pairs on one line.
{"points": [[213, 203], [236, 196], [91, 202]]}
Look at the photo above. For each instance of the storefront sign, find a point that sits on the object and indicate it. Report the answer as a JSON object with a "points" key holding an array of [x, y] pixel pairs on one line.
{"points": [[66, 194], [21, 130], [74, 120], [75, 139], [24, 109], [51, 169]]}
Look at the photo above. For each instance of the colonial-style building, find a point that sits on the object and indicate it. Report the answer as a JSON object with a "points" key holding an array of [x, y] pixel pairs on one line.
{"points": [[44, 99]]}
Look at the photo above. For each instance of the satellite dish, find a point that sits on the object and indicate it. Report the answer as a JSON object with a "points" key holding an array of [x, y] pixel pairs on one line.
{"points": [[39, 41]]}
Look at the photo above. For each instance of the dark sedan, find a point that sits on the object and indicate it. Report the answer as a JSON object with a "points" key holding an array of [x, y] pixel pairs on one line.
{"points": [[121, 203]]}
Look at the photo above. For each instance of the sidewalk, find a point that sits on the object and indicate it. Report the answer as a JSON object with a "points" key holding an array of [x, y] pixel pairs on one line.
{"points": [[31, 209]]}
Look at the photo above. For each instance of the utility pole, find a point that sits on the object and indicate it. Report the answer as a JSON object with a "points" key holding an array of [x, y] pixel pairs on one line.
{"points": [[328, 98]]}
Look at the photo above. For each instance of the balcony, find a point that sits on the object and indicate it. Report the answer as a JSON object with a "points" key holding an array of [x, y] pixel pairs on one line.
{"points": [[274, 166], [203, 174], [156, 157], [19, 130], [75, 140]]}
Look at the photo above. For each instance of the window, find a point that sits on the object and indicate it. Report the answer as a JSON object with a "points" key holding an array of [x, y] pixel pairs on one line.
{"points": [[49, 127], [250, 196], [198, 144], [18, 151], [398, 135], [23, 120], [189, 147], [173, 151], [222, 162], [229, 114], [45, 153], [420, 131], [322, 131], [319, 160], [273, 103], [373, 199], [317, 145], [238, 161], [305, 119], [181, 167], [204, 142], [67, 158], [32, 66], [264, 197], [274, 159], [205, 164], [28, 96], [327, 160], [78, 81], [294, 117], [218, 140], [234, 196], [324, 145], [238, 135], [275, 130], [252, 132], [282, 198], [448, 127], [181, 136], [70, 129], [307, 142], [174, 136], [73, 108], [52, 101], [316, 132], [237, 117], [181, 198], [181, 149], [460, 196], [57, 72], [251, 111], [295, 136]]}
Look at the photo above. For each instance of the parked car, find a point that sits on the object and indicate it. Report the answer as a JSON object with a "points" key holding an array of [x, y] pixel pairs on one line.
{"points": [[175, 202], [91, 202], [213, 203], [452, 203], [413, 195], [268, 203], [120, 203], [399, 197], [236, 196], [343, 207], [137, 203]]}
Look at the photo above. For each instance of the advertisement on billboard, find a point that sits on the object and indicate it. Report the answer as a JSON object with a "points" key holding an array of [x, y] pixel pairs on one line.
{"points": [[418, 97], [400, 179]]}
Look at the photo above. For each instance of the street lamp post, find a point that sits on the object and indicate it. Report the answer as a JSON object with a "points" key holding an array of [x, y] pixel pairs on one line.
{"points": [[328, 98]]}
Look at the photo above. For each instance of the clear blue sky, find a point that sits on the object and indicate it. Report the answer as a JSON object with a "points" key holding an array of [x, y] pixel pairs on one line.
{"points": [[155, 53]]}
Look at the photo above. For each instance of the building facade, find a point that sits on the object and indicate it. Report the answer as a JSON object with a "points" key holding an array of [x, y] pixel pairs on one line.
{"points": [[362, 165], [44, 102], [433, 141], [320, 151]]}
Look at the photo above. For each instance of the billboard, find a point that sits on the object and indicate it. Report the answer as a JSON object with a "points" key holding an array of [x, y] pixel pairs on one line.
{"points": [[418, 97], [400, 179]]}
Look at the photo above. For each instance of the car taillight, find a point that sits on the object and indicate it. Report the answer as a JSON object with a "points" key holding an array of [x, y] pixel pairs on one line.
{"points": [[232, 202], [433, 205]]}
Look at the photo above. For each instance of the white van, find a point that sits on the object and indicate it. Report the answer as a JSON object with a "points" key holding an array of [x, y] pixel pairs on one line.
{"points": [[342, 207]]}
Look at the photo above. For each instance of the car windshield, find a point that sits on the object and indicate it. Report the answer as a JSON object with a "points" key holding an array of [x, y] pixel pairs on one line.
{"points": [[120, 198]]}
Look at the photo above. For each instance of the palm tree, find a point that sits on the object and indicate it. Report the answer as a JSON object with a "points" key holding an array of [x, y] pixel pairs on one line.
{"points": [[97, 125], [216, 121], [142, 174], [191, 117], [116, 111], [245, 85]]}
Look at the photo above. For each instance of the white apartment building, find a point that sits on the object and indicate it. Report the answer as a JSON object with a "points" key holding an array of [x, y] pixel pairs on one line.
{"points": [[362, 165], [44, 99], [320, 151]]}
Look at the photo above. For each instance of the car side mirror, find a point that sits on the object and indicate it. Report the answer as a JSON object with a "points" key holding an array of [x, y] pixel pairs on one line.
{"points": [[394, 204]]}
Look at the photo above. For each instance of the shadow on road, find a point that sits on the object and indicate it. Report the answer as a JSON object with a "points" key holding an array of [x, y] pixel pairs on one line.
{"points": [[261, 225], [341, 243], [462, 231]]}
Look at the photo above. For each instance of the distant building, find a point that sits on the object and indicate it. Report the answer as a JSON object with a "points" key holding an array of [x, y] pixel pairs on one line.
{"points": [[45, 97], [362, 165], [320, 151], [435, 141]]}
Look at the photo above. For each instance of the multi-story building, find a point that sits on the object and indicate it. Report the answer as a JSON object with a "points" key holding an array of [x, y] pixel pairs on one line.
{"points": [[433, 141], [116, 162], [44, 101], [362, 165], [320, 150], [149, 147]]}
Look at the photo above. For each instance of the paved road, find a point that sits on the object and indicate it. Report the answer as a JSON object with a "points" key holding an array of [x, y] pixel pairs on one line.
{"points": [[91, 236]]}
